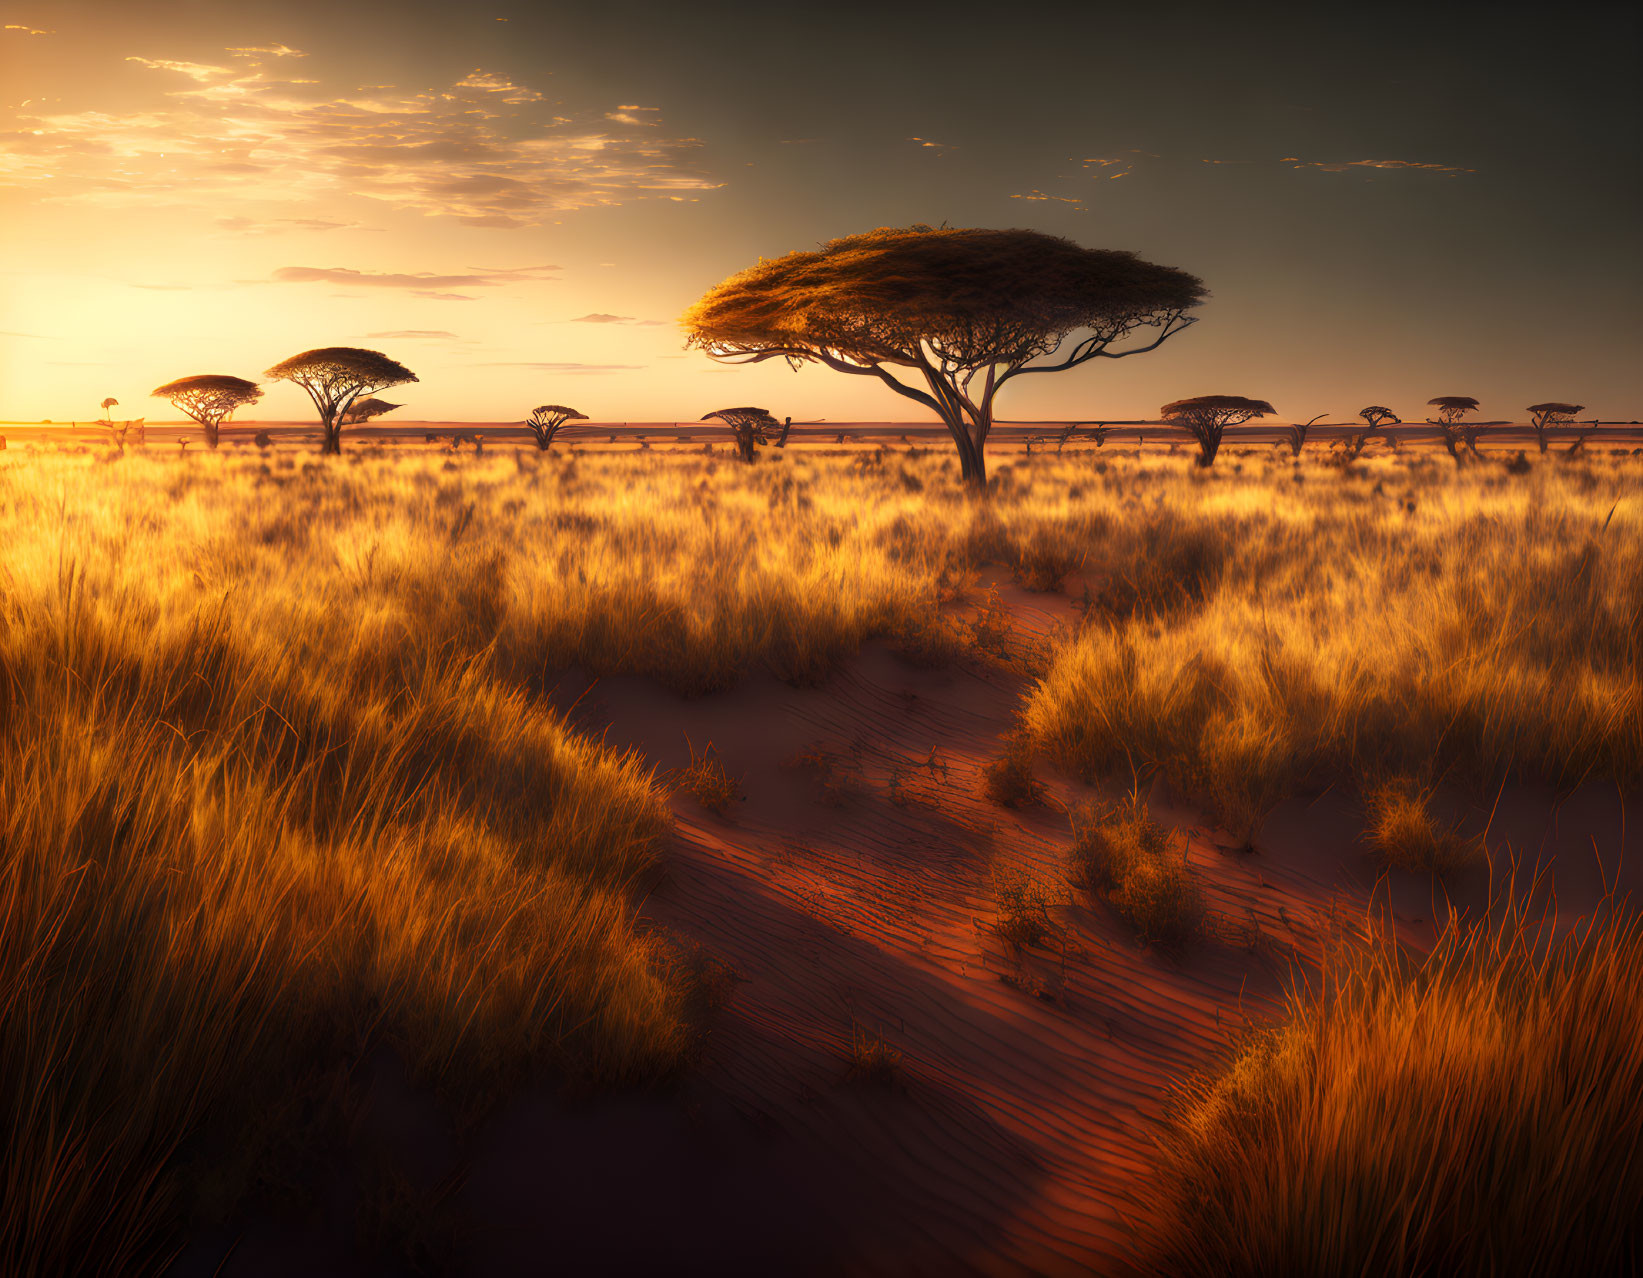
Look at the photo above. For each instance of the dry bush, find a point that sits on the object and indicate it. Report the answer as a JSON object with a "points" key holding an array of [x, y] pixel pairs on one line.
{"points": [[1473, 1113], [704, 778], [873, 1059], [1406, 833], [1123, 856], [1023, 910], [1009, 781]]}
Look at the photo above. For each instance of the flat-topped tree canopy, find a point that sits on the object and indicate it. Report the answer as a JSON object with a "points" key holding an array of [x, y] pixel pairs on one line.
{"points": [[1205, 417], [209, 397], [1553, 410], [1376, 414], [334, 377], [1229, 410], [750, 426], [1451, 407], [963, 310]]}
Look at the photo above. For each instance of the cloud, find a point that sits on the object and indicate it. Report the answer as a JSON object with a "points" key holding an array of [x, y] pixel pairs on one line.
{"points": [[444, 297], [602, 317], [412, 334], [285, 225], [566, 368], [426, 283], [266, 50], [38, 337], [1040, 195], [1343, 166], [938, 147], [485, 150], [33, 31]]}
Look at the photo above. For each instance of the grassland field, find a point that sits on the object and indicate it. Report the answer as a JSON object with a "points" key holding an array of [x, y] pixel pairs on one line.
{"points": [[289, 780]]}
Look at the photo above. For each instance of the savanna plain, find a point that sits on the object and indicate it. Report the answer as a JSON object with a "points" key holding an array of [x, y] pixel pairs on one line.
{"points": [[604, 861]]}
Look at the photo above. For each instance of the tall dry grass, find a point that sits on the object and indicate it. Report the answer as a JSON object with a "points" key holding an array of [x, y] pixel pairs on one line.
{"points": [[279, 782], [1274, 636], [1475, 1112]]}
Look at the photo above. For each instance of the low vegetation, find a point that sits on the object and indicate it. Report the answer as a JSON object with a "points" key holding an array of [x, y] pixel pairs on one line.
{"points": [[1124, 857], [1472, 1112], [1407, 834]]}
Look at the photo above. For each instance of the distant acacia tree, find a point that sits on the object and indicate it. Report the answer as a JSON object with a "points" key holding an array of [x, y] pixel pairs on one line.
{"points": [[209, 398], [334, 377], [1206, 417], [750, 427], [1375, 416], [1456, 432], [1548, 415], [363, 410], [546, 419], [956, 312]]}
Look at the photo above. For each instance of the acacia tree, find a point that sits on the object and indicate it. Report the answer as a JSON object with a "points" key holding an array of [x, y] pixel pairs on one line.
{"points": [[363, 410], [944, 317], [1206, 417], [1375, 416], [1456, 432], [1549, 415], [334, 377], [751, 427], [546, 419], [209, 398]]}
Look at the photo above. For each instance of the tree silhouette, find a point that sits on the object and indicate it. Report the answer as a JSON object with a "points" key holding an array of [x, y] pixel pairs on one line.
{"points": [[750, 426], [1375, 416], [107, 404], [1548, 415], [209, 398], [363, 410], [334, 377], [956, 312], [1205, 417], [1456, 433], [546, 419]]}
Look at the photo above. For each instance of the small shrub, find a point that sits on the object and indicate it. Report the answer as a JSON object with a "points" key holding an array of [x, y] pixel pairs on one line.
{"points": [[872, 1058], [1009, 781], [1406, 833], [1023, 910], [1123, 856], [706, 779]]}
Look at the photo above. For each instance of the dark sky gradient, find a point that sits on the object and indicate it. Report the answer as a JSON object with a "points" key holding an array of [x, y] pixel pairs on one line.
{"points": [[1514, 276]]}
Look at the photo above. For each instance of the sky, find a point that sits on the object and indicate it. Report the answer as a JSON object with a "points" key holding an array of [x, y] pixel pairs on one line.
{"points": [[518, 200]]}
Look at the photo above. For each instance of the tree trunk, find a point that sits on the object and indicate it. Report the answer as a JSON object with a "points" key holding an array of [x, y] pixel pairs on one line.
{"points": [[331, 445], [213, 431], [1209, 443]]}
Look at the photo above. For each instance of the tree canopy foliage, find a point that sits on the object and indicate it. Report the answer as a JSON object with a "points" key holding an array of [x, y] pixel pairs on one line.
{"points": [[956, 312], [750, 426], [546, 419], [363, 410], [334, 377], [209, 398], [1206, 417], [1451, 408]]}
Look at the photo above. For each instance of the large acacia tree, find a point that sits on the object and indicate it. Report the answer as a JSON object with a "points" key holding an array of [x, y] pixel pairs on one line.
{"points": [[945, 317], [1206, 417], [334, 377], [209, 398]]}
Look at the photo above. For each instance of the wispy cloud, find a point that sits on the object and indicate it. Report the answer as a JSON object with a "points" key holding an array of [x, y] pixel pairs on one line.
{"points": [[485, 150], [602, 317], [1344, 166], [926, 144], [414, 334], [33, 31], [419, 281], [1040, 195], [287, 225]]}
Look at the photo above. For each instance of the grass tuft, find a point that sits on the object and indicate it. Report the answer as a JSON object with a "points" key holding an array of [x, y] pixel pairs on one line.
{"points": [[1405, 832], [1123, 856], [706, 780], [1474, 1112]]}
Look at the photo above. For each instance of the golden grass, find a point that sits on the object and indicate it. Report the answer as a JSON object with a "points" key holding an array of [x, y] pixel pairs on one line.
{"points": [[1405, 832], [1278, 636], [279, 782], [1473, 1113]]}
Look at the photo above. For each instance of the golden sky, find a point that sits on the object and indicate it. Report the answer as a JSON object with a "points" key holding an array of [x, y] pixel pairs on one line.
{"points": [[518, 201]]}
